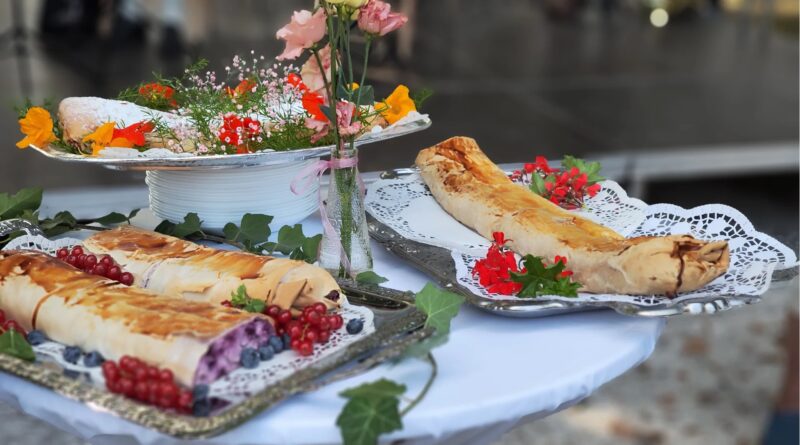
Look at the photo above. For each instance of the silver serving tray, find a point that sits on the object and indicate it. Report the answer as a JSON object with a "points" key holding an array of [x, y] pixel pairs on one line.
{"points": [[398, 324], [227, 161], [437, 262]]}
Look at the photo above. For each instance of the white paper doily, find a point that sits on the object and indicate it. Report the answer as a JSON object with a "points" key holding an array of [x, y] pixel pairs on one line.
{"points": [[241, 383], [407, 207]]}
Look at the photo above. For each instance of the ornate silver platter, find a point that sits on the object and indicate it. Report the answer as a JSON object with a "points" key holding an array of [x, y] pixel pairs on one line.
{"points": [[405, 218], [191, 162], [396, 324]]}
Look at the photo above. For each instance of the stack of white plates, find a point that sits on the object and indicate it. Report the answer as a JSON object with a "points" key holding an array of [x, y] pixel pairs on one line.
{"points": [[221, 196]]}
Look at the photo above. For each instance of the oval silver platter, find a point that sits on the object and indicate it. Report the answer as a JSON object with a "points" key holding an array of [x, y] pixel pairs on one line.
{"points": [[178, 162]]}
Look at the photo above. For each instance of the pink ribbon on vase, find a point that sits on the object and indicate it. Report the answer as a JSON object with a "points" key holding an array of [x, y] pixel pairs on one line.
{"points": [[304, 180]]}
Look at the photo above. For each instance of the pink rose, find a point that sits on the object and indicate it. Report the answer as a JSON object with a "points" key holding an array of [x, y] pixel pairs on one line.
{"points": [[344, 118], [312, 74], [304, 30], [376, 18], [320, 128]]}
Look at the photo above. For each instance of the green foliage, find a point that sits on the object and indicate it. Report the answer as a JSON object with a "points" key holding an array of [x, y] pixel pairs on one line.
{"points": [[190, 227], [253, 231], [370, 277], [13, 343], [291, 241], [241, 300], [372, 409], [592, 169], [539, 279], [441, 307], [25, 205], [420, 97]]}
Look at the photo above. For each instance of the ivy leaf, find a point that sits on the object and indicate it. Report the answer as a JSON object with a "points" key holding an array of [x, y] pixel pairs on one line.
{"points": [[60, 223], [252, 232], [440, 307], [190, 226], [111, 218], [423, 348], [14, 205], [370, 277], [13, 343], [311, 248], [290, 238], [419, 97], [378, 388], [373, 409]]}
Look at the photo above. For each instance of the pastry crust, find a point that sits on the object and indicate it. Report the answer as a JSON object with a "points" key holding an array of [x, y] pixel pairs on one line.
{"points": [[480, 195], [97, 314], [170, 265]]}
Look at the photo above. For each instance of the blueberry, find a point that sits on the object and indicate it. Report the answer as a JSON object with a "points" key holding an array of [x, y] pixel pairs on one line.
{"points": [[355, 326], [276, 343], [201, 408], [287, 341], [265, 352], [36, 337], [93, 359], [72, 354], [249, 358], [200, 392]]}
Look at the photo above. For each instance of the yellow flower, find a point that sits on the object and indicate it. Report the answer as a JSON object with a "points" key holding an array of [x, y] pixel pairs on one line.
{"points": [[37, 125], [101, 138], [397, 105]]}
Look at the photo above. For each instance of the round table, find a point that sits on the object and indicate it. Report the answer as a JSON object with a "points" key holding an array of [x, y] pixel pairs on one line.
{"points": [[494, 372]]}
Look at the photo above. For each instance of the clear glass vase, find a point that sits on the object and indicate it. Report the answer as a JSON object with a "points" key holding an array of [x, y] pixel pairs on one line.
{"points": [[346, 253]]}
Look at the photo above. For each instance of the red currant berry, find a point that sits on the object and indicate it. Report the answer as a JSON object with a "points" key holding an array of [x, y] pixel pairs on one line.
{"points": [[313, 318], [295, 344], [273, 311], [166, 402], [306, 348], [319, 308], [295, 331], [110, 370], [312, 335], [324, 336], [89, 261], [113, 386], [280, 330], [62, 253], [336, 321], [185, 400], [140, 390], [168, 390], [77, 250], [126, 363], [140, 374], [152, 391], [99, 270], [106, 260], [80, 261], [152, 373], [324, 324], [113, 273], [126, 386], [165, 375], [71, 260], [126, 278], [284, 317], [227, 303]]}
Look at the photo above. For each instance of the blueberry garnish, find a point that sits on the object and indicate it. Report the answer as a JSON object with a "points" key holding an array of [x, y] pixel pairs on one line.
{"points": [[265, 352], [36, 337], [72, 354], [355, 326], [287, 341], [93, 359], [276, 343], [249, 358], [201, 408], [200, 392]]}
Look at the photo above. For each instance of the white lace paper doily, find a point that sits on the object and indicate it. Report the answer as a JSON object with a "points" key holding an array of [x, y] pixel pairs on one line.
{"points": [[406, 206], [241, 383]]}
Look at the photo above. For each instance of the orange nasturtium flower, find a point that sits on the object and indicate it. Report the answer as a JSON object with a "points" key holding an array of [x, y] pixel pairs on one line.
{"points": [[132, 135], [37, 125], [100, 138], [397, 105]]}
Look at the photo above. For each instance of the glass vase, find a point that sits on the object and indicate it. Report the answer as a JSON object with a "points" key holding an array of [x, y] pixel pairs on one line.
{"points": [[345, 249]]}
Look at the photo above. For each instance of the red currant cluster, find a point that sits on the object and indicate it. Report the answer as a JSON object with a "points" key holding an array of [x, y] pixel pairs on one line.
{"points": [[148, 384], [10, 324], [313, 325], [105, 266]]}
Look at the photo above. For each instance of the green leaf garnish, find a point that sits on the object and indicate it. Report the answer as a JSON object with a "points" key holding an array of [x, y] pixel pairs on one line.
{"points": [[252, 232], [11, 206], [539, 279], [592, 169], [13, 343], [372, 410], [419, 97], [241, 300], [440, 307], [190, 226], [370, 277]]}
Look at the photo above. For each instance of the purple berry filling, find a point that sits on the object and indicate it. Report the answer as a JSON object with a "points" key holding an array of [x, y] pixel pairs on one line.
{"points": [[333, 295], [223, 353]]}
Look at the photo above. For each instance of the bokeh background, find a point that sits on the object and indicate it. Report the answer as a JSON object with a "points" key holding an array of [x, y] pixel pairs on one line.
{"points": [[685, 101]]}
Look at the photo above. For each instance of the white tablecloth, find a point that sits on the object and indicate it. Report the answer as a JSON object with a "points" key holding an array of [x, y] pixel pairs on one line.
{"points": [[493, 373]]}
